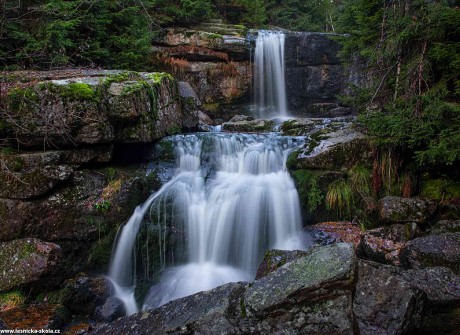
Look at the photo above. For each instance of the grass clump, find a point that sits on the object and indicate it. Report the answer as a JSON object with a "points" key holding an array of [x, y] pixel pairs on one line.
{"points": [[339, 198]]}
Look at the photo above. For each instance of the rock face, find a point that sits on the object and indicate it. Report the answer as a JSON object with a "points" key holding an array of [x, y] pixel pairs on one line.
{"points": [[28, 261], [316, 75], [310, 295], [105, 107], [276, 258], [385, 304], [213, 58], [400, 210], [433, 250]]}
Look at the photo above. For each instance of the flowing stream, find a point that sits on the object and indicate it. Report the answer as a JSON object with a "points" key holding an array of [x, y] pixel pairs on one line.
{"points": [[233, 199], [269, 77]]}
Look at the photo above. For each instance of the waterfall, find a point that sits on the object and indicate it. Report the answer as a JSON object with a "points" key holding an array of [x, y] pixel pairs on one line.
{"points": [[269, 76], [232, 198]]}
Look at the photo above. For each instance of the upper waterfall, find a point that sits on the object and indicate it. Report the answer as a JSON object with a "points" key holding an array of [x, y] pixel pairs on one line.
{"points": [[269, 75]]}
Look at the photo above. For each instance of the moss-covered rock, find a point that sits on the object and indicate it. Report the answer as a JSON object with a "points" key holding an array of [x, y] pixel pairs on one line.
{"points": [[399, 210], [251, 126], [28, 261], [100, 108]]}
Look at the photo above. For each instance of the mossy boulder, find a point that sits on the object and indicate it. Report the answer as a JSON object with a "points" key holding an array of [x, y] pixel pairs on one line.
{"points": [[27, 262], [337, 150], [400, 210], [274, 259], [249, 126], [103, 107]]}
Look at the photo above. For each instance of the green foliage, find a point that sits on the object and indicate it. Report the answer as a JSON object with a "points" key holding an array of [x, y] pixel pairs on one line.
{"points": [[103, 206], [339, 197], [360, 180], [315, 196], [111, 173], [412, 57], [308, 188], [441, 189], [11, 299]]}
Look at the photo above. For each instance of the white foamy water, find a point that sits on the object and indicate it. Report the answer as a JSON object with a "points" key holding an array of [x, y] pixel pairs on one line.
{"points": [[269, 76], [230, 217]]}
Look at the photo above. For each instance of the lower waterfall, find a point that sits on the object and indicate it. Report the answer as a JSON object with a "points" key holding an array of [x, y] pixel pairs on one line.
{"points": [[230, 200]]}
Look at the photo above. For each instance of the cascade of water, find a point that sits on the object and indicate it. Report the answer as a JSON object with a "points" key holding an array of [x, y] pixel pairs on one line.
{"points": [[229, 218], [269, 77]]}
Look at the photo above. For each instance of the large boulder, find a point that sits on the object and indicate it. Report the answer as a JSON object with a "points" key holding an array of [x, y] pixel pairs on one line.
{"points": [[83, 294], [433, 250], [274, 259], [28, 261], [250, 126], [310, 295], [385, 304], [384, 244], [400, 210], [333, 149], [102, 107]]}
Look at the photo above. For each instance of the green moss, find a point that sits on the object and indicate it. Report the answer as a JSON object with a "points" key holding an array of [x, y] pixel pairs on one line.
{"points": [[78, 91], [11, 299], [211, 106], [18, 99], [157, 77], [440, 189], [53, 297], [308, 189], [173, 130], [243, 308], [101, 251], [120, 77]]}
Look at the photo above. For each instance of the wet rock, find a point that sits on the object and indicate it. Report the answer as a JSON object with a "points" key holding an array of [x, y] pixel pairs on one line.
{"points": [[35, 317], [433, 250], [239, 118], [399, 210], [446, 226], [204, 313], [384, 244], [309, 295], [321, 267], [327, 110], [187, 92], [336, 150], [254, 126], [82, 295], [298, 127], [384, 303], [334, 232], [314, 70], [203, 117], [28, 261], [276, 258], [112, 309]]}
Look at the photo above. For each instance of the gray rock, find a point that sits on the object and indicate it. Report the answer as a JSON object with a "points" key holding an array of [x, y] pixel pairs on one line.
{"points": [[433, 250], [399, 210], [82, 295], [441, 285], [186, 91], [311, 275], [384, 303], [384, 244], [112, 309], [446, 226], [202, 313], [28, 261], [276, 258], [334, 149], [239, 118], [253, 126], [310, 295]]}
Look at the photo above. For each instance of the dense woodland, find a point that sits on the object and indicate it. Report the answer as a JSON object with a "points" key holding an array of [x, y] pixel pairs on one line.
{"points": [[409, 50]]}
